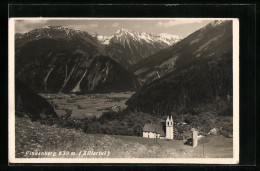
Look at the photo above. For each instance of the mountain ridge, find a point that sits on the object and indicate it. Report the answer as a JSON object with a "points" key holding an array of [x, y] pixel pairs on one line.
{"points": [[58, 59], [150, 38], [128, 47], [200, 81], [165, 61]]}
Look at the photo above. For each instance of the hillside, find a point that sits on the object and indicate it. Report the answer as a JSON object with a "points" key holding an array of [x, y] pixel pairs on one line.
{"points": [[210, 41], [58, 59], [28, 103], [70, 143], [197, 77]]}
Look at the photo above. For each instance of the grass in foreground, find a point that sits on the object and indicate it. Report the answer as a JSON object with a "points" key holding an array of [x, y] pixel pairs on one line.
{"points": [[70, 143]]}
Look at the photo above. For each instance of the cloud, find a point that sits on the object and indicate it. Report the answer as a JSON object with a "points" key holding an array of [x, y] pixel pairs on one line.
{"points": [[171, 23], [115, 25], [83, 27], [22, 26], [92, 26], [36, 21], [137, 26]]}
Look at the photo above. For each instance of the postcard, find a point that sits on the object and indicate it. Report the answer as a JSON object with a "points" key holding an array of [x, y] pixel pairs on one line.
{"points": [[124, 90]]}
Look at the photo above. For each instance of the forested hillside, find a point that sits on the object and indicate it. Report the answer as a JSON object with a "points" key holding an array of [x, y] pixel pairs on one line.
{"points": [[201, 81]]}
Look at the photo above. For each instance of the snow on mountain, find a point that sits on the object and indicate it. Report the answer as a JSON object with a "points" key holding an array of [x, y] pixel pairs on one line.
{"points": [[103, 39], [122, 31], [214, 24], [217, 22], [123, 34], [68, 61], [184, 78], [127, 47], [169, 38], [58, 32]]}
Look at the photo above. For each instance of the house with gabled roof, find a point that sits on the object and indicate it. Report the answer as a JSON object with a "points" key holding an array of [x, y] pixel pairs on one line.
{"points": [[156, 130]]}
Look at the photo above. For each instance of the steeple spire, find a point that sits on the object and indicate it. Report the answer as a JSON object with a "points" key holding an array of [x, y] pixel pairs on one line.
{"points": [[169, 128]]}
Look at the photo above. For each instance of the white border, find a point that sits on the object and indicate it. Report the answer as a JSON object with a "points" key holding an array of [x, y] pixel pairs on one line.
{"points": [[11, 107]]}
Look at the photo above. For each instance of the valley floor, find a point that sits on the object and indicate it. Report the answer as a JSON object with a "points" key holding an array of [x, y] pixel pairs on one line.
{"points": [[32, 138], [87, 105]]}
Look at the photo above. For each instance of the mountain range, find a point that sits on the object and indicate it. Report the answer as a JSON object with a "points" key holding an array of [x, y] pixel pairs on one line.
{"points": [[168, 73], [208, 41], [58, 59], [127, 47], [194, 74]]}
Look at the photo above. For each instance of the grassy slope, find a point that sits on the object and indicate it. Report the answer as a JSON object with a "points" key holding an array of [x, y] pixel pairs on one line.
{"points": [[32, 136]]}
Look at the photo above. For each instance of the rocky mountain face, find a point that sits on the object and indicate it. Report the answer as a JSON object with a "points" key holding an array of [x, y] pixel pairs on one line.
{"points": [[192, 76], [207, 42], [129, 47], [58, 59]]}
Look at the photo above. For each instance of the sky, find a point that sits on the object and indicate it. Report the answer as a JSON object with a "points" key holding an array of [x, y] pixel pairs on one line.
{"points": [[180, 27]]}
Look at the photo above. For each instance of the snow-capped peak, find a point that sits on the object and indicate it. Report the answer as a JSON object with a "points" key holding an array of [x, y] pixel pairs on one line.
{"points": [[56, 27], [55, 31], [62, 28], [217, 22], [102, 39], [125, 35], [169, 38], [122, 31], [213, 24]]}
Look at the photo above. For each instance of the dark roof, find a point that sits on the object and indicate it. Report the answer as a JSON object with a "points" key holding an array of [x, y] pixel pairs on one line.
{"points": [[154, 127]]}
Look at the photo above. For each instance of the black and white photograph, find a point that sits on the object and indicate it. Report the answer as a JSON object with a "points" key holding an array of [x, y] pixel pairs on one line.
{"points": [[124, 90]]}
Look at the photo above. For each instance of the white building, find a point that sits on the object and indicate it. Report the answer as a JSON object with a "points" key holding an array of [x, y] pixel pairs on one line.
{"points": [[155, 130]]}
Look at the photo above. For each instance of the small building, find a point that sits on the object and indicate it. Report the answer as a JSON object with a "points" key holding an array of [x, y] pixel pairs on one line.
{"points": [[153, 130], [213, 131], [156, 130]]}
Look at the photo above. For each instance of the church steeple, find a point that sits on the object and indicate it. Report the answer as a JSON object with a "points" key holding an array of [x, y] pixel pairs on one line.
{"points": [[169, 121], [169, 128]]}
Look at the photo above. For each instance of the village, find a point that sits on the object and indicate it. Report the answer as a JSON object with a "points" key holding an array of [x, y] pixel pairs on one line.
{"points": [[165, 130], [113, 104]]}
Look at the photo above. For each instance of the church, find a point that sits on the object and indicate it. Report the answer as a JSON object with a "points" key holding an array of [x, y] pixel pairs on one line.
{"points": [[156, 130]]}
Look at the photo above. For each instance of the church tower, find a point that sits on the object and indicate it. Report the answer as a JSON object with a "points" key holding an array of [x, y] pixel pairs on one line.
{"points": [[169, 128]]}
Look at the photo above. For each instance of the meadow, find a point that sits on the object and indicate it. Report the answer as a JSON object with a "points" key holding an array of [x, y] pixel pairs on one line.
{"points": [[70, 143]]}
